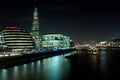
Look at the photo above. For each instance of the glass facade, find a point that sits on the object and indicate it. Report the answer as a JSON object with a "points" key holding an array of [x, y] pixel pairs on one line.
{"points": [[15, 38], [55, 41], [35, 28]]}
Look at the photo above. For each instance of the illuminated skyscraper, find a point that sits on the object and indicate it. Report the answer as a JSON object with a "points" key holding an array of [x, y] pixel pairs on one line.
{"points": [[35, 28]]}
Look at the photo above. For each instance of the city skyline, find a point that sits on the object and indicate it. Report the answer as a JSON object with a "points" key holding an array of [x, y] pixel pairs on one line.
{"points": [[83, 21]]}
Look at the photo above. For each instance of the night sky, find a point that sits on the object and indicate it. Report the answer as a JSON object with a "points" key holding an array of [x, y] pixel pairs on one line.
{"points": [[82, 20]]}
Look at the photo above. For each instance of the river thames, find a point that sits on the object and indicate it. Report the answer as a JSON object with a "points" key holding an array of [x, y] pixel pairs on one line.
{"points": [[102, 66]]}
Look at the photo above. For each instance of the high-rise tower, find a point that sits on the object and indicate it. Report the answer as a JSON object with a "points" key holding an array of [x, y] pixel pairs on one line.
{"points": [[35, 28]]}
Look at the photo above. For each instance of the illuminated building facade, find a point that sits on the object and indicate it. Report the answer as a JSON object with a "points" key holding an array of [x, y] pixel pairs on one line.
{"points": [[56, 41], [13, 38], [114, 42], [35, 28]]}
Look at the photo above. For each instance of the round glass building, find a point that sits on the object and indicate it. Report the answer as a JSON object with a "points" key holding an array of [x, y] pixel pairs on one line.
{"points": [[13, 38]]}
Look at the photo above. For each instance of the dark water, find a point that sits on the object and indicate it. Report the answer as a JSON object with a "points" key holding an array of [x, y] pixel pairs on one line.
{"points": [[103, 66]]}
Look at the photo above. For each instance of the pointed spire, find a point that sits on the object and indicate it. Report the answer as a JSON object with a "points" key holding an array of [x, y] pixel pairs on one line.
{"points": [[35, 28], [35, 20], [35, 13]]}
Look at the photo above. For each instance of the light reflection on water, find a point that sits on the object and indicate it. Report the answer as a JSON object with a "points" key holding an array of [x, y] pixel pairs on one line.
{"points": [[4, 74], [100, 64], [15, 72], [103, 61], [24, 71], [94, 61], [53, 68], [60, 68]]}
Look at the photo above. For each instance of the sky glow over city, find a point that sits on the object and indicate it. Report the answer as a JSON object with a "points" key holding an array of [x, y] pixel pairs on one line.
{"points": [[82, 20]]}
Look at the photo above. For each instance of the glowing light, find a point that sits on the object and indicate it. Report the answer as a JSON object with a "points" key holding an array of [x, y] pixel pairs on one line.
{"points": [[12, 27]]}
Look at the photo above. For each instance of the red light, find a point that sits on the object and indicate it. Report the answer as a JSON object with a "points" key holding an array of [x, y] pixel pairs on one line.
{"points": [[12, 27]]}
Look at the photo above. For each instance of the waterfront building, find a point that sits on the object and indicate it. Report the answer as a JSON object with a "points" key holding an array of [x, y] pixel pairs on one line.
{"points": [[13, 38], [114, 43], [102, 44], [35, 28], [56, 41]]}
